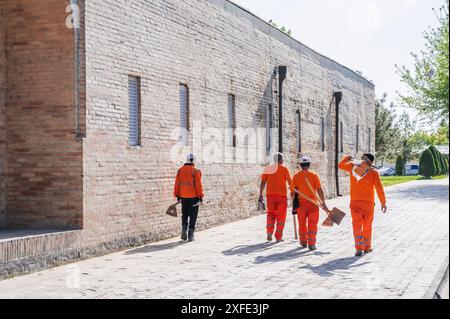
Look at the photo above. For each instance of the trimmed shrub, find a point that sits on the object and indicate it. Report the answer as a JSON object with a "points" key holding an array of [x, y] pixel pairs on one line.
{"points": [[427, 164], [437, 162], [400, 166], [446, 163], [442, 162]]}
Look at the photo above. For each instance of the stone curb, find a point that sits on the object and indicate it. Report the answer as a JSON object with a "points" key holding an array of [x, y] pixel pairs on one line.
{"points": [[439, 279]]}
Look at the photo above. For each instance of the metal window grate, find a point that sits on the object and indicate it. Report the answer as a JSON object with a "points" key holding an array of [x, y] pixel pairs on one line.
{"points": [[232, 120], [269, 126], [299, 131], [184, 114], [134, 110], [342, 137], [357, 138], [322, 134]]}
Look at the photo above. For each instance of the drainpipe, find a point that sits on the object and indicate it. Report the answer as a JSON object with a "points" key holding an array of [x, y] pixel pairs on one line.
{"points": [[282, 71], [338, 99], [76, 33]]}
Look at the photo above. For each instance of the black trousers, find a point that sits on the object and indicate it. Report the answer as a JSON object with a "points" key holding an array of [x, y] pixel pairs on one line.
{"points": [[190, 212]]}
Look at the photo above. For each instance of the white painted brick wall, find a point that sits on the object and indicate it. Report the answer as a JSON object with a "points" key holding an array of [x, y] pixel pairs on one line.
{"points": [[216, 49]]}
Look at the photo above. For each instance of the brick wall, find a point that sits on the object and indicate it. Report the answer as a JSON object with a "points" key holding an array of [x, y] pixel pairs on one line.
{"points": [[216, 49], [2, 123], [44, 161]]}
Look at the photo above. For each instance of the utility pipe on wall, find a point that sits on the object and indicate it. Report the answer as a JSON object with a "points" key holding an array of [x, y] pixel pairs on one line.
{"points": [[76, 32], [282, 72], [338, 99]]}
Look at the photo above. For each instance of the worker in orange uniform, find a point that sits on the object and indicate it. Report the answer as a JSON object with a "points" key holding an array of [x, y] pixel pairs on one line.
{"points": [[189, 192], [308, 184], [362, 205], [277, 178]]}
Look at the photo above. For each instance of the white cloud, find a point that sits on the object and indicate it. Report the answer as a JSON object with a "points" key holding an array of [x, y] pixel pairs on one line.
{"points": [[411, 3]]}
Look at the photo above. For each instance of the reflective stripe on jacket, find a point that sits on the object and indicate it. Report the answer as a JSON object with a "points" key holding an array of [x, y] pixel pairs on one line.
{"points": [[188, 183]]}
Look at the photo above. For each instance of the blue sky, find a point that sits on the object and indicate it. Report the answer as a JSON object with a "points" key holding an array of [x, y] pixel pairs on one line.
{"points": [[367, 35]]}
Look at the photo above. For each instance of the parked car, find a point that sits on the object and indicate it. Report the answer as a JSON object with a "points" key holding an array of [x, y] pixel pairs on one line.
{"points": [[386, 171], [412, 169]]}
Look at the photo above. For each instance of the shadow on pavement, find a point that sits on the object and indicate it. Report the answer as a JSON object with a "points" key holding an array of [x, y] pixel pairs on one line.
{"points": [[246, 250], [328, 269], [153, 248], [431, 192], [289, 255]]}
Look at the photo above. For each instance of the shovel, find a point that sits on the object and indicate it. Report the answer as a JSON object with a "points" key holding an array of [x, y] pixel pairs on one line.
{"points": [[172, 210], [335, 216]]}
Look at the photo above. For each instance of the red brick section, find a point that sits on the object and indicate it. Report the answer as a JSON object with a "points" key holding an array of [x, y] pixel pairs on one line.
{"points": [[44, 160], [2, 124]]}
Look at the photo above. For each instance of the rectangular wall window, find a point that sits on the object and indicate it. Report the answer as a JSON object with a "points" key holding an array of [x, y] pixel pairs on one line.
{"points": [[299, 131], [134, 106], [342, 137], [184, 114], [232, 120], [269, 126], [322, 134], [357, 138]]}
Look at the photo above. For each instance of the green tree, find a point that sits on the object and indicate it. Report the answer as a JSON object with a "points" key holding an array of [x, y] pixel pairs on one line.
{"points": [[387, 134], [427, 168], [407, 128], [441, 137], [427, 82], [421, 140], [400, 166]]}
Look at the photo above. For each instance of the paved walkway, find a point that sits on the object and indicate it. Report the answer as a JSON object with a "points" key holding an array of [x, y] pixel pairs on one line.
{"points": [[233, 261]]}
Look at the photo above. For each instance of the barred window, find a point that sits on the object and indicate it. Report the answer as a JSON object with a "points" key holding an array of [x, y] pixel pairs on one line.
{"points": [[299, 131], [184, 114], [269, 126], [232, 120], [357, 138], [134, 106], [322, 134]]}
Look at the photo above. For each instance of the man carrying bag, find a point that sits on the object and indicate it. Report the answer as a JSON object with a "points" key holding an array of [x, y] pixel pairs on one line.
{"points": [[189, 192]]}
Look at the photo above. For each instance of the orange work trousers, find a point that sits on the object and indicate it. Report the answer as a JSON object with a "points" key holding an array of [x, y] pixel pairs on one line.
{"points": [[308, 219], [362, 214], [276, 215]]}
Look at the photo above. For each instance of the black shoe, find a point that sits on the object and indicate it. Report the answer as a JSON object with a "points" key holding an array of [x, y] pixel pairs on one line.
{"points": [[191, 236], [303, 245], [359, 253], [312, 247], [184, 234], [368, 251]]}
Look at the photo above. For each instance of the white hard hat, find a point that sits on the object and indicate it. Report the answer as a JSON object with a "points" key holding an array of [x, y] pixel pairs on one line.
{"points": [[305, 160], [191, 158]]}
